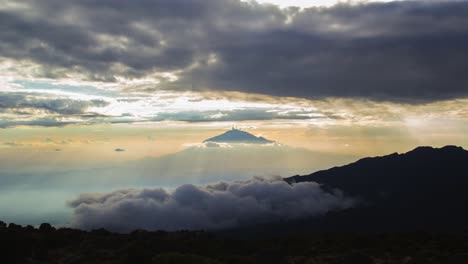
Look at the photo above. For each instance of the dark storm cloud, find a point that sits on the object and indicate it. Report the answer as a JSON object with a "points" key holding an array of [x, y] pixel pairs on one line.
{"points": [[237, 115], [220, 205], [43, 122], [401, 51], [28, 103]]}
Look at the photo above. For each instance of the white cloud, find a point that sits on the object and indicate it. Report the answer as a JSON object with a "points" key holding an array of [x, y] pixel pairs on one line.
{"points": [[215, 206]]}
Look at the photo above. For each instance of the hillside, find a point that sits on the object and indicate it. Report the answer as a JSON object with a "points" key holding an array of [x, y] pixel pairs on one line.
{"points": [[422, 189]]}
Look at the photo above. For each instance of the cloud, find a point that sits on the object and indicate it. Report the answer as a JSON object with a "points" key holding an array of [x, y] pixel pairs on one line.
{"points": [[270, 113], [381, 51], [215, 206], [46, 109], [25, 103], [212, 145], [13, 144], [43, 122]]}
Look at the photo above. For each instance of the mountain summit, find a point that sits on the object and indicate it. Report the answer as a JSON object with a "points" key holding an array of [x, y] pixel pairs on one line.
{"points": [[238, 136]]}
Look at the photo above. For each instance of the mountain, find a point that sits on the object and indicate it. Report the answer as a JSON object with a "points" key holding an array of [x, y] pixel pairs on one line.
{"points": [[422, 189], [238, 136], [424, 170]]}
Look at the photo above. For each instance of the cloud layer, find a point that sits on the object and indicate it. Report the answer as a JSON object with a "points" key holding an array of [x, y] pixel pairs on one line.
{"points": [[29, 103], [220, 205], [408, 51]]}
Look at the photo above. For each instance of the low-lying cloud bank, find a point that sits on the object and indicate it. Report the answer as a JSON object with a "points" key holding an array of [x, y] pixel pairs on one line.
{"points": [[215, 206]]}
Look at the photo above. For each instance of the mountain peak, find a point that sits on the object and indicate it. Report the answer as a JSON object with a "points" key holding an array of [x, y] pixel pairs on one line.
{"points": [[427, 150], [420, 187], [418, 167], [238, 136]]}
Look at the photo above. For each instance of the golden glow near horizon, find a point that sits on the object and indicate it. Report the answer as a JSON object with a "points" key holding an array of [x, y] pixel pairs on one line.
{"points": [[97, 143], [350, 126]]}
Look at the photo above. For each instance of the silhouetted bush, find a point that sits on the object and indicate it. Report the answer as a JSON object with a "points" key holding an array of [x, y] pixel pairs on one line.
{"points": [[46, 227], [65, 245], [13, 226], [101, 232]]}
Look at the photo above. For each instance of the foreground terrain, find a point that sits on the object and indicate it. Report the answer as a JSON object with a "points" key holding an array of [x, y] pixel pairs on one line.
{"points": [[48, 245]]}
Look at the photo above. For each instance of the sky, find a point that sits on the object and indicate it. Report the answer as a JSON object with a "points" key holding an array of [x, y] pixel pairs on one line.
{"points": [[101, 95]]}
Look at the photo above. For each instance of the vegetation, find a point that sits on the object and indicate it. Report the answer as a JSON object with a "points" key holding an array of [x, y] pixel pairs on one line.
{"points": [[49, 245]]}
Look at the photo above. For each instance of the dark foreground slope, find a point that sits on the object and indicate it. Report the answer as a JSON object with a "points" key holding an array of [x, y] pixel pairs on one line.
{"points": [[424, 189], [68, 246]]}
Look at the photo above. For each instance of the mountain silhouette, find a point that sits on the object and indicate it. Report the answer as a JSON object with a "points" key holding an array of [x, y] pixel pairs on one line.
{"points": [[424, 170], [238, 136], [422, 190]]}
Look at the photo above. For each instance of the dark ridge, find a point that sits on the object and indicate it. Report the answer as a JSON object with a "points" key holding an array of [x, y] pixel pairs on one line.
{"points": [[424, 188]]}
